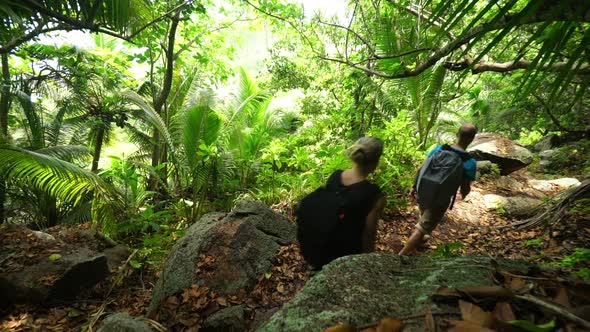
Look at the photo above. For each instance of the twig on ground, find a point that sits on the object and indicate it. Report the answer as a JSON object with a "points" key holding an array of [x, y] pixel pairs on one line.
{"points": [[7, 258], [411, 317], [101, 310], [564, 313]]}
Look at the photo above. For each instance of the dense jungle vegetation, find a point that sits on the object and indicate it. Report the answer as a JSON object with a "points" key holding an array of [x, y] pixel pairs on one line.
{"points": [[142, 115]]}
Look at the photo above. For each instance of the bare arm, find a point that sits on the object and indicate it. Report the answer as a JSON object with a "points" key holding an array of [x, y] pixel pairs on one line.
{"points": [[465, 188], [370, 231]]}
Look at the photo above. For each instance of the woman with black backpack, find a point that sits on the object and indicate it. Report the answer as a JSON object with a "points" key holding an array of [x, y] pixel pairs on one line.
{"points": [[341, 218]]}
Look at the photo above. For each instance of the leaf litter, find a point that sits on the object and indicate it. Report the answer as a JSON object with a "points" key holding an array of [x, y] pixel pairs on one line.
{"points": [[503, 308]]}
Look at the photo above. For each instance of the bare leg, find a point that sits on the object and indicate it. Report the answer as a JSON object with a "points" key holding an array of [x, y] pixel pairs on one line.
{"points": [[369, 235], [413, 242]]}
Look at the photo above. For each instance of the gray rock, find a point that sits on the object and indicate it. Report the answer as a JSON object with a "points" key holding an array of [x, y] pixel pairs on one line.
{"points": [[43, 236], [511, 184], [508, 155], [362, 289], [231, 319], [243, 243], [122, 322], [548, 154], [73, 272], [513, 206], [116, 255], [484, 167], [47, 279], [546, 143], [548, 157], [556, 184]]}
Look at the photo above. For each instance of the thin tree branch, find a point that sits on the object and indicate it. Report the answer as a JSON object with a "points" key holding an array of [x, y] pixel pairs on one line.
{"points": [[381, 57], [502, 67], [162, 17], [548, 111], [349, 30], [9, 46], [194, 40], [513, 20], [303, 36]]}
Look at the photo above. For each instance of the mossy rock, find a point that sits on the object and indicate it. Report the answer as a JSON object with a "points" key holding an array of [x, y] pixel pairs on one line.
{"points": [[362, 289], [242, 244]]}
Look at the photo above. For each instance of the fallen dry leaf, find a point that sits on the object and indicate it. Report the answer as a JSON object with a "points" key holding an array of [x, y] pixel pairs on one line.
{"points": [[389, 324], [503, 312], [341, 328], [562, 298], [467, 326], [473, 313]]}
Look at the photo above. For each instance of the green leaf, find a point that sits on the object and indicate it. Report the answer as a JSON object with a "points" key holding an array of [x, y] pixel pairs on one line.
{"points": [[135, 264], [54, 257], [532, 327]]}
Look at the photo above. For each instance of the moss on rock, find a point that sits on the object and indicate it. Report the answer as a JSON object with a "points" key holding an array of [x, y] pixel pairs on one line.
{"points": [[361, 289]]}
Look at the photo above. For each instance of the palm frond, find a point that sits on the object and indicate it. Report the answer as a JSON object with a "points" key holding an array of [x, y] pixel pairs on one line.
{"points": [[67, 152], [34, 122], [142, 140], [151, 117], [59, 178], [201, 126]]}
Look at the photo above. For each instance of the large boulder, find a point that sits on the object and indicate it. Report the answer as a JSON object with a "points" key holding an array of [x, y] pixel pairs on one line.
{"points": [[362, 289], [503, 152], [38, 268], [554, 185], [232, 249], [122, 322], [516, 206]]}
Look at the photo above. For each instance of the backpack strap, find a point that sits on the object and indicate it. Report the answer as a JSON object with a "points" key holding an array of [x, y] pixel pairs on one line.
{"points": [[334, 182], [464, 157], [453, 201]]}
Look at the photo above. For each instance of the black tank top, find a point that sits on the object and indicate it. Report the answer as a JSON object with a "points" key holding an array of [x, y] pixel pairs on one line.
{"points": [[361, 197]]}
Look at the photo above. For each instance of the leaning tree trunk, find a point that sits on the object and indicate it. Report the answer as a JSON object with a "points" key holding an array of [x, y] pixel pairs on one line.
{"points": [[556, 212], [4, 107], [97, 148]]}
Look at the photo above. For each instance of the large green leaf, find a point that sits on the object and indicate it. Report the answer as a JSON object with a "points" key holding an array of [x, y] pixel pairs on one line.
{"points": [[201, 126], [45, 173]]}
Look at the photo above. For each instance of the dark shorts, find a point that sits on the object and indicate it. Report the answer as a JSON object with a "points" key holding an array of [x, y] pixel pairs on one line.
{"points": [[430, 218]]}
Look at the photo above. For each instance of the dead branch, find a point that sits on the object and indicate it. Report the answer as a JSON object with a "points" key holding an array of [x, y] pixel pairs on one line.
{"points": [[564, 313], [555, 212]]}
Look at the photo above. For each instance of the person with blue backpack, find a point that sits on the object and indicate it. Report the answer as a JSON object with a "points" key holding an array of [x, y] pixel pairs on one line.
{"points": [[447, 168], [340, 218]]}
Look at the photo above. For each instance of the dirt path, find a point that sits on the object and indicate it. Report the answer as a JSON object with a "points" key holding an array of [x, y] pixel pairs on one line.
{"points": [[470, 224], [475, 227]]}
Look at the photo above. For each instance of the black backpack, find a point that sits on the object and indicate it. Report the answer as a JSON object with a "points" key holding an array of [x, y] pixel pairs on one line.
{"points": [[440, 177], [319, 216]]}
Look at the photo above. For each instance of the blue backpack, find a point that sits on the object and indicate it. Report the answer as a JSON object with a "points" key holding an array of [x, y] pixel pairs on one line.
{"points": [[440, 178]]}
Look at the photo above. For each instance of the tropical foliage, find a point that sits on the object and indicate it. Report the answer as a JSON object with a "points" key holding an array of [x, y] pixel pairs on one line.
{"points": [[170, 112]]}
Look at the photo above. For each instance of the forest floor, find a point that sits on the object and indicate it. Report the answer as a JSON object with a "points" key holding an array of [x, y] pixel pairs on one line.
{"points": [[129, 290]]}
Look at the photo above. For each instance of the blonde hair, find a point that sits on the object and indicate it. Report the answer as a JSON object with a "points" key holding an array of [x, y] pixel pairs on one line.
{"points": [[366, 152]]}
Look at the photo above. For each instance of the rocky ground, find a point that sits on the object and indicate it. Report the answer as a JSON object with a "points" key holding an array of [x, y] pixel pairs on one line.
{"points": [[472, 228]]}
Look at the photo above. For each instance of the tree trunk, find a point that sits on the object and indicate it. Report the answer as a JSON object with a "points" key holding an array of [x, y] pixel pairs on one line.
{"points": [[5, 97], [160, 100], [4, 106], [97, 149]]}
